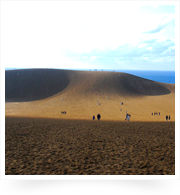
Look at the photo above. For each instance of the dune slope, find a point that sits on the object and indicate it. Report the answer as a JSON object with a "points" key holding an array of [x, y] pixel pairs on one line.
{"points": [[36, 84], [38, 93], [33, 84]]}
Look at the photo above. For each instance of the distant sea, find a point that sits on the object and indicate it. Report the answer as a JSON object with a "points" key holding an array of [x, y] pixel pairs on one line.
{"points": [[159, 76]]}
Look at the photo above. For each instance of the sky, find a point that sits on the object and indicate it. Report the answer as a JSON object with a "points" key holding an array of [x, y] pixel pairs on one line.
{"points": [[88, 35]]}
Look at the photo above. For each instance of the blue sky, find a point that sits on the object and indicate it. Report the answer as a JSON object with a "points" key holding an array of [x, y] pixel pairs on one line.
{"points": [[88, 35]]}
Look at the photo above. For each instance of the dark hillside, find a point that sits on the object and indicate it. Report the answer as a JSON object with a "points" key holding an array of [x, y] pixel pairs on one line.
{"points": [[139, 86], [33, 84]]}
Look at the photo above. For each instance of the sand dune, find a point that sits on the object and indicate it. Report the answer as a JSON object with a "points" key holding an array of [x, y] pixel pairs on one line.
{"points": [[39, 92], [33, 84]]}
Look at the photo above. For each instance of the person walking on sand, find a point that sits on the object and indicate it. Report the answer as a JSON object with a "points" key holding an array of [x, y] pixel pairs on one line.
{"points": [[166, 117], [127, 117], [98, 116], [93, 117], [169, 117]]}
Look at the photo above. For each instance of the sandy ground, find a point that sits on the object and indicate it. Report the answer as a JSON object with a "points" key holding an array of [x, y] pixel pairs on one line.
{"points": [[81, 147], [140, 108]]}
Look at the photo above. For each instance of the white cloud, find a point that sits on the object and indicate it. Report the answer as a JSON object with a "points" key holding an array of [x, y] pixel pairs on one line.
{"points": [[149, 48], [93, 57], [47, 33]]}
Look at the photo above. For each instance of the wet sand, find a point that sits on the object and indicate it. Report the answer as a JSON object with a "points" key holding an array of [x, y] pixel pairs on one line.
{"points": [[82, 147]]}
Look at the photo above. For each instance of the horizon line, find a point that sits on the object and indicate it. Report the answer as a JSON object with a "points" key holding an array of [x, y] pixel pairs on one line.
{"points": [[93, 69]]}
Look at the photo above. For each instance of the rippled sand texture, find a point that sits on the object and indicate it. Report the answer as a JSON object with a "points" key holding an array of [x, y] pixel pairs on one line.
{"points": [[72, 147]]}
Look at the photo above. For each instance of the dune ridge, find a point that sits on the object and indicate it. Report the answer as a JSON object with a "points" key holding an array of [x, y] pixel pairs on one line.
{"points": [[35, 84], [38, 93]]}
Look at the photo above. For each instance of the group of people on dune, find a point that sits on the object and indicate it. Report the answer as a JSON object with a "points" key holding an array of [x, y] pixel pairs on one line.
{"points": [[168, 117], [158, 113], [98, 117], [127, 115]]}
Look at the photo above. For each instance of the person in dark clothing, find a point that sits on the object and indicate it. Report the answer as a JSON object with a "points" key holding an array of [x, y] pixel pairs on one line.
{"points": [[169, 117], [93, 117], [166, 117], [98, 116]]}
